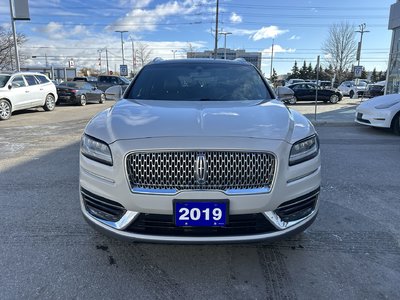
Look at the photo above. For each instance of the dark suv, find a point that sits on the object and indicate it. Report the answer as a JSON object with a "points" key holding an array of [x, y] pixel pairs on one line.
{"points": [[106, 81]]}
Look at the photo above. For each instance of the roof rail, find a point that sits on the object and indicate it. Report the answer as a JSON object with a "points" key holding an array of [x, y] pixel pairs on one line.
{"points": [[240, 59], [157, 59]]}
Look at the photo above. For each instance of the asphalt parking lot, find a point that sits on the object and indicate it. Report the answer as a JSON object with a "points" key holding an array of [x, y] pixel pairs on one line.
{"points": [[352, 251]]}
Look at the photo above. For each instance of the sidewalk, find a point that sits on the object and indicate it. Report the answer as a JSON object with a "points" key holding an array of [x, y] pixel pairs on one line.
{"points": [[340, 114]]}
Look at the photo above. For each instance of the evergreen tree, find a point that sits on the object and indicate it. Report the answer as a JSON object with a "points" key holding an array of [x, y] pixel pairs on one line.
{"points": [[295, 71], [310, 72], [364, 74], [303, 71], [374, 76], [382, 76]]}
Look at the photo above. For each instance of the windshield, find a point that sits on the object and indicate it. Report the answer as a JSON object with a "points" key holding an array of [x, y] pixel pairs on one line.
{"points": [[73, 84], [362, 83], [3, 80], [205, 81]]}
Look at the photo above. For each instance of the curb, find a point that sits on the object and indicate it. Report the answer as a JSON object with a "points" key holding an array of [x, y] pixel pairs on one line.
{"points": [[334, 123]]}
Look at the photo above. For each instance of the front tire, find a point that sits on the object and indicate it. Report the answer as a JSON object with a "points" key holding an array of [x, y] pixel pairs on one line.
{"points": [[102, 98], [83, 100], [49, 103], [5, 110], [334, 99], [292, 100], [396, 124]]}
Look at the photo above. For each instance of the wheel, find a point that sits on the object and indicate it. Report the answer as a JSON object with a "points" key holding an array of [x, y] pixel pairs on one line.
{"points": [[49, 103], [395, 124], [102, 98], [5, 110], [334, 99], [83, 100], [292, 100], [351, 94]]}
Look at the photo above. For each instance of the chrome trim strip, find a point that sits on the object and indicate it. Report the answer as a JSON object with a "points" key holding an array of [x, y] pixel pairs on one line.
{"points": [[281, 225], [97, 176], [124, 222], [303, 176], [173, 192]]}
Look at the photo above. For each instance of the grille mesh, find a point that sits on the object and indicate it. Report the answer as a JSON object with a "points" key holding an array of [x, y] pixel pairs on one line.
{"points": [[226, 170]]}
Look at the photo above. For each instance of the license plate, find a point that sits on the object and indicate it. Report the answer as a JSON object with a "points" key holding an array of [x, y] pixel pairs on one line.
{"points": [[201, 213]]}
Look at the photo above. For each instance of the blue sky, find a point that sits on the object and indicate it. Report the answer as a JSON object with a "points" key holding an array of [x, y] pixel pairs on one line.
{"points": [[81, 30]]}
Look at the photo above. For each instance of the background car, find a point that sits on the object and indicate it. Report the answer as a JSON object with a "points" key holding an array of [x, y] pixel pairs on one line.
{"points": [[381, 111], [375, 89], [106, 81], [24, 90], [79, 92], [351, 88], [306, 92]]}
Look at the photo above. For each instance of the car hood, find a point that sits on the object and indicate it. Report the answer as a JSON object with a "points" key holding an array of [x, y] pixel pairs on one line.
{"points": [[135, 119], [381, 100]]}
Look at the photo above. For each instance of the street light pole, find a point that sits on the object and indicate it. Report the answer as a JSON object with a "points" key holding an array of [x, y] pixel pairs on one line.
{"points": [[14, 35], [122, 44], [174, 51], [362, 31], [216, 30], [225, 34], [272, 58]]}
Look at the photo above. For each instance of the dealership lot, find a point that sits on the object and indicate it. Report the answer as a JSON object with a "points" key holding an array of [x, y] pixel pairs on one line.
{"points": [[48, 251]]}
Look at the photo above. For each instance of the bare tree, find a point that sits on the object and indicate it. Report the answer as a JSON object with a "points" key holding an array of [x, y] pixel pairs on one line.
{"points": [[143, 53], [7, 57], [340, 48]]}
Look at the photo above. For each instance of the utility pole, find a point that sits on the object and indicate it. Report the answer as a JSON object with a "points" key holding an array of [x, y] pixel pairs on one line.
{"points": [[225, 33], [216, 31], [108, 70], [122, 44], [174, 51], [14, 35], [362, 31], [272, 59], [133, 56], [100, 51], [45, 57]]}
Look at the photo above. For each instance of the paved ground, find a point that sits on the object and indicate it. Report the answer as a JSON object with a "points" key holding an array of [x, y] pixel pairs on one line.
{"points": [[341, 113], [352, 251]]}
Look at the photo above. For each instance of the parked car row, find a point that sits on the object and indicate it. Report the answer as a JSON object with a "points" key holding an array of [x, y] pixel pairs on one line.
{"points": [[23, 90], [306, 91]]}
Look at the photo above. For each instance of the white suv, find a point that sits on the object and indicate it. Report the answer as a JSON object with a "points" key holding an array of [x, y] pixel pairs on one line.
{"points": [[351, 88], [24, 90]]}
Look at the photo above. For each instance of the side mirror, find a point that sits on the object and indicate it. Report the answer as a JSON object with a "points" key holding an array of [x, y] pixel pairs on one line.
{"points": [[284, 93], [9, 86], [114, 93]]}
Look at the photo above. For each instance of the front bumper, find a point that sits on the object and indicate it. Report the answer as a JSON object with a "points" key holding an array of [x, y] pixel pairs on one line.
{"points": [[293, 186], [374, 117]]}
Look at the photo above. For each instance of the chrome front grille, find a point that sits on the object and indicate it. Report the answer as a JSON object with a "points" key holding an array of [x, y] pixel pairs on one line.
{"points": [[179, 170]]}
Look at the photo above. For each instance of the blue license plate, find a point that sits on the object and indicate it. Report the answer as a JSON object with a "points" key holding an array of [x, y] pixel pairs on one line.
{"points": [[201, 213]]}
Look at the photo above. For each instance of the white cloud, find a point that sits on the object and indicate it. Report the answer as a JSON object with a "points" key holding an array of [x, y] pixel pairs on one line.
{"points": [[294, 37], [240, 32], [52, 27], [139, 19], [277, 49], [57, 31], [136, 3], [235, 18], [268, 32]]}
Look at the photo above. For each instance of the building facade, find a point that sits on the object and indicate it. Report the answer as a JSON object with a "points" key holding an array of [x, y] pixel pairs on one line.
{"points": [[393, 72], [251, 57]]}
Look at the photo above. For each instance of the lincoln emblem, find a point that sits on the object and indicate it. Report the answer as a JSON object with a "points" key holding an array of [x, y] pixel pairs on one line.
{"points": [[200, 171]]}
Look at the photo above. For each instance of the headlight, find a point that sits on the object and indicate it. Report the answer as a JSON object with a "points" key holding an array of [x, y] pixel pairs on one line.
{"points": [[386, 105], [304, 150], [96, 150]]}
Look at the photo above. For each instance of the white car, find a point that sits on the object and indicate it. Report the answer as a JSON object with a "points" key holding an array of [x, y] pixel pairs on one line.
{"points": [[382, 111], [199, 151], [351, 88], [24, 90]]}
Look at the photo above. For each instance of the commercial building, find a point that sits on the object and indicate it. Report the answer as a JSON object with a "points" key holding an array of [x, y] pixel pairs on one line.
{"points": [[252, 57], [393, 73]]}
